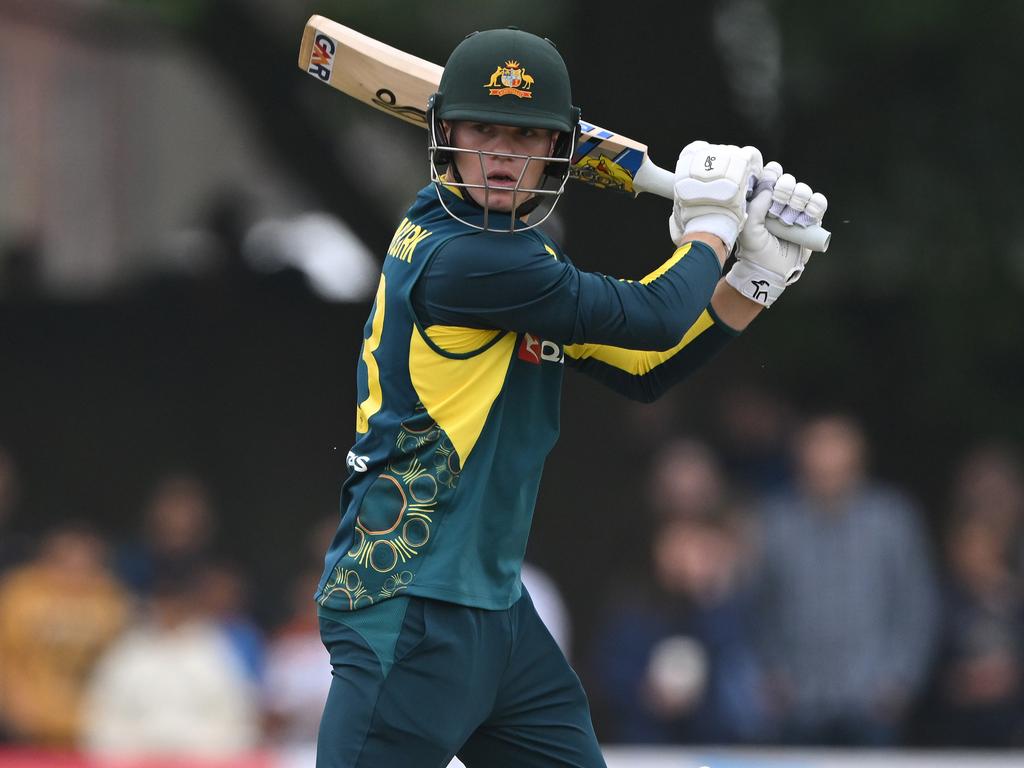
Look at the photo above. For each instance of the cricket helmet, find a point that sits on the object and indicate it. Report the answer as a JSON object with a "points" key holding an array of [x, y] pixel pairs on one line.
{"points": [[505, 77]]}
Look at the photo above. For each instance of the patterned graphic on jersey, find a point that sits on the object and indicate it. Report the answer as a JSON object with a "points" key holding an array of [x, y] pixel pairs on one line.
{"points": [[346, 585], [396, 516]]}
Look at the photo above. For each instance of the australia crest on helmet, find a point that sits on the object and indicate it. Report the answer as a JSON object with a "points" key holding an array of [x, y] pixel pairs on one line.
{"points": [[513, 80]]}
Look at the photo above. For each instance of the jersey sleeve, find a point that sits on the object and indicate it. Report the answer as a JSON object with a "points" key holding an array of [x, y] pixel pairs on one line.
{"points": [[645, 375], [515, 282]]}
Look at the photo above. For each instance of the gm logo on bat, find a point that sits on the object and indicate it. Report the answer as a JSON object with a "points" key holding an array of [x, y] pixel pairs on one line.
{"points": [[321, 58]]}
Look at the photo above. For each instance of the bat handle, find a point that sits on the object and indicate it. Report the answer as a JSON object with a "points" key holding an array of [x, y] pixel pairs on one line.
{"points": [[658, 181]]}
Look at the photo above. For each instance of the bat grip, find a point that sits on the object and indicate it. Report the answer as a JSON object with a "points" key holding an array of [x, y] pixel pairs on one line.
{"points": [[658, 181]]}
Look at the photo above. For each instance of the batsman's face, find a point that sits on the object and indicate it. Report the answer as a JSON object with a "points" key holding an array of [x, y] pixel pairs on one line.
{"points": [[500, 172]]}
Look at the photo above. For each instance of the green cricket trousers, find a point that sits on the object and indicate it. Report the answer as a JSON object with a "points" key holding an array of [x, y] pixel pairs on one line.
{"points": [[417, 681]]}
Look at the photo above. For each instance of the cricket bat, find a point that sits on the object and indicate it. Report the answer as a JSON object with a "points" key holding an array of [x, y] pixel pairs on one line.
{"points": [[400, 84]]}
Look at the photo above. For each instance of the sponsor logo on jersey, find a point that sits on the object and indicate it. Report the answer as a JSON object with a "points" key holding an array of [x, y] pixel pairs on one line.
{"points": [[356, 462], [321, 58], [535, 351], [513, 77]]}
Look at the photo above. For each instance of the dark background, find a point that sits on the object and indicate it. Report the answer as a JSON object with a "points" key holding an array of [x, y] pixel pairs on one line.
{"points": [[907, 115]]}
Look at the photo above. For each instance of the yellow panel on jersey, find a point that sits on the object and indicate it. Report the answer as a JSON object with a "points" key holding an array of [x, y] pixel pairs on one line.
{"points": [[680, 252], [458, 392], [458, 340], [634, 361], [371, 404]]}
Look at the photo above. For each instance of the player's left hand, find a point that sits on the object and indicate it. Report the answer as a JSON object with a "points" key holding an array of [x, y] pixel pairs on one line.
{"points": [[766, 265]]}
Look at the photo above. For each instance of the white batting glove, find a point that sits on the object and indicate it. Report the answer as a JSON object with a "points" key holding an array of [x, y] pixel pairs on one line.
{"points": [[712, 183], [765, 265]]}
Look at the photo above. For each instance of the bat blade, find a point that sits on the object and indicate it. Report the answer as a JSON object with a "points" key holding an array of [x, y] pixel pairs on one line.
{"points": [[373, 72], [400, 84]]}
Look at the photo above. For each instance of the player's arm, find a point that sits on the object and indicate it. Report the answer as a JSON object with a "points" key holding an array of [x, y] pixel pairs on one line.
{"points": [[710, 198], [645, 375], [764, 267], [512, 283]]}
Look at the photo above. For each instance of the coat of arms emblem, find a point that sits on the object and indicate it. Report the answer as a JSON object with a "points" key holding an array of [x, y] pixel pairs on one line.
{"points": [[512, 75]]}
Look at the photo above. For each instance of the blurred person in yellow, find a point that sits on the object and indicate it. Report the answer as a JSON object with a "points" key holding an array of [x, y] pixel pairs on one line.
{"points": [[58, 612]]}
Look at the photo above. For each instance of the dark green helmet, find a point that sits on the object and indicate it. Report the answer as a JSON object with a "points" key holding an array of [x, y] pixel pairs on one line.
{"points": [[507, 77]]}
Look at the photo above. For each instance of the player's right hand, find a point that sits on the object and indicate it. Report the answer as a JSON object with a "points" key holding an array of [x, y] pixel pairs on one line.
{"points": [[712, 182], [766, 265]]}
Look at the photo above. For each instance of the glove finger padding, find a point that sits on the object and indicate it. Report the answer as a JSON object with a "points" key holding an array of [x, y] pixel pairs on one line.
{"points": [[794, 202], [782, 193], [765, 265], [801, 194], [769, 176], [814, 212]]}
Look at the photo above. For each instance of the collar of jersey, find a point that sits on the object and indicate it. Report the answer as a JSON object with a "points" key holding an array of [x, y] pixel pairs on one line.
{"points": [[466, 206]]}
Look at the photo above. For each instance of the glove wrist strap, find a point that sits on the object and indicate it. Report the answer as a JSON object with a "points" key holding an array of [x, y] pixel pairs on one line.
{"points": [[756, 283]]}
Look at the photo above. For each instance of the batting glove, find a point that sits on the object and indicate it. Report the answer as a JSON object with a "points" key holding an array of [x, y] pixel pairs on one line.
{"points": [[765, 265], [712, 184]]}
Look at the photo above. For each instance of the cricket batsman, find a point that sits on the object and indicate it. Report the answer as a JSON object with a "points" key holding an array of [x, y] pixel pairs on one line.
{"points": [[435, 646]]}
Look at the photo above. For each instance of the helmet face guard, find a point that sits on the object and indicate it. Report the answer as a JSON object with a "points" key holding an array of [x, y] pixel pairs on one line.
{"points": [[504, 77], [441, 155]]}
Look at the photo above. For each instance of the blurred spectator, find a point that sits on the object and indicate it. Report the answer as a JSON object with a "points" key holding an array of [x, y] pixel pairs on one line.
{"points": [[847, 596], [687, 481], [978, 690], [298, 672], [989, 485], [677, 665], [547, 599], [171, 686], [14, 545], [223, 599], [178, 528], [58, 612], [756, 428]]}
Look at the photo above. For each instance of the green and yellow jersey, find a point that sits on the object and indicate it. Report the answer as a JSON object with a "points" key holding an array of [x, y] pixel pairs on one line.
{"points": [[458, 388]]}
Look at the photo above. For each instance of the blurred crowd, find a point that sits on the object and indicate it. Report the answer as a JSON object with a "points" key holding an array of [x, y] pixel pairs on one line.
{"points": [[793, 598], [790, 597], [147, 646]]}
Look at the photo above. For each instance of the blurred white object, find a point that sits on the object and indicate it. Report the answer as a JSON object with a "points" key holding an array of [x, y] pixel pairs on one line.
{"points": [[161, 691], [549, 604], [337, 264], [677, 672], [297, 680]]}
